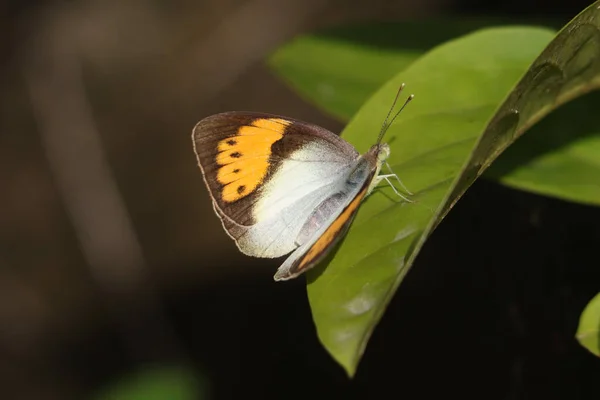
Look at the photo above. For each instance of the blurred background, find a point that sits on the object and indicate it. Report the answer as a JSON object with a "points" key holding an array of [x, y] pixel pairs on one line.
{"points": [[116, 275]]}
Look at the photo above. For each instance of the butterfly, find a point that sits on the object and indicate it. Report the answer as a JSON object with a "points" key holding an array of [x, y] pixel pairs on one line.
{"points": [[280, 185]]}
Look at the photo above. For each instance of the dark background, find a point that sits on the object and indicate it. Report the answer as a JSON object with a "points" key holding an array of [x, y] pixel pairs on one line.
{"points": [[111, 258]]}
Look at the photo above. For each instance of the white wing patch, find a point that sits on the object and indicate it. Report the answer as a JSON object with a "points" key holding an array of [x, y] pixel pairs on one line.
{"points": [[307, 170], [307, 178]]}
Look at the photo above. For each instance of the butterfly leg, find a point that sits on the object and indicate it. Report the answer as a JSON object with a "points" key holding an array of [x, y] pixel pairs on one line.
{"points": [[387, 179], [398, 179]]}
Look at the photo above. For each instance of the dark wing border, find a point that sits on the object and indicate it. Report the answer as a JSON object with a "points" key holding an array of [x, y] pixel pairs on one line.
{"points": [[211, 130]]}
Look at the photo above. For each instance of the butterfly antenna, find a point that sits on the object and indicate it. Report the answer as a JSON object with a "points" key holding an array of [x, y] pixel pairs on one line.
{"points": [[386, 125], [409, 98], [383, 127]]}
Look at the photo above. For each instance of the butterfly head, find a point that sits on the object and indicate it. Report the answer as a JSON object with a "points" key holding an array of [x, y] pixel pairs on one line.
{"points": [[382, 150], [378, 155]]}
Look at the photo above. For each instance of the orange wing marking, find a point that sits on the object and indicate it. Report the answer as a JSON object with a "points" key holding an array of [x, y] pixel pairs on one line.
{"points": [[330, 234], [244, 158]]}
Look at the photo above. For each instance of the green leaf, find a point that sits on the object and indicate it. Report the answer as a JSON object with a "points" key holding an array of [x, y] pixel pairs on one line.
{"points": [[558, 158], [339, 68], [588, 332], [157, 383], [441, 144]]}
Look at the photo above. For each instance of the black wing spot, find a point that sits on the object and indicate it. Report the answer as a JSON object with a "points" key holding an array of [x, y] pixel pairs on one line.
{"points": [[237, 170], [241, 189], [236, 154], [231, 142]]}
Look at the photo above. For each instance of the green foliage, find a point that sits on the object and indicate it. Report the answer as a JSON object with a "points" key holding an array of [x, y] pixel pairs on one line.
{"points": [[588, 332], [475, 96], [339, 68], [558, 161], [159, 383]]}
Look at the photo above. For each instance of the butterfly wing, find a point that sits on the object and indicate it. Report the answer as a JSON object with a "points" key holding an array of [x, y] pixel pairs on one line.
{"points": [[330, 232], [267, 174]]}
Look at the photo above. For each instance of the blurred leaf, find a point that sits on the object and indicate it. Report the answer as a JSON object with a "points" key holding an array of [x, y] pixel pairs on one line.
{"points": [[588, 332], [339, 75], [172, 383], [439, 147], [551, 160]]}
